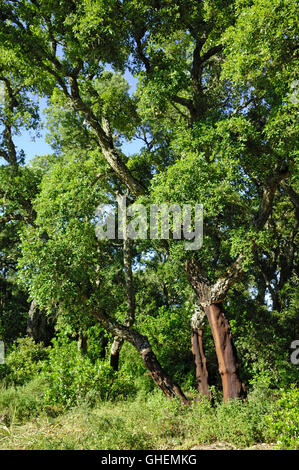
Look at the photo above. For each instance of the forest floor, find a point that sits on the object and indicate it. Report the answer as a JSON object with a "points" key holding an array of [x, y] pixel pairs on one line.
{"points": [[147, 421], [40, 435], [134, 425], [228, 446]]}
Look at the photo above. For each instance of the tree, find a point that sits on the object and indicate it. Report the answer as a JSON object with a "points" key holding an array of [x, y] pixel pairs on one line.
{"points": [[210, 106], [18, 186]]}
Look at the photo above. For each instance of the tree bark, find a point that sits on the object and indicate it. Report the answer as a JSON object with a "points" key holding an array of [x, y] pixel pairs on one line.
{"points": [[209, 297], [166, 384], [197, 325], [82, 343], [115, 351], [39, 326], [200, 363], [226, 353]]}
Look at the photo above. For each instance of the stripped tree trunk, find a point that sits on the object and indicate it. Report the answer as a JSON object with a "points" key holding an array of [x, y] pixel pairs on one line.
{"points": [[197, 323], [226, 353], [200, 363], [209, 298]]}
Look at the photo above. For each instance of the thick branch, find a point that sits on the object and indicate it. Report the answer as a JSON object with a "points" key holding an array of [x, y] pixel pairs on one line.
{"points": [[141, 343], [293, 195], [268, 197], [53, 66], [227, 280], [210, 53], [211, 294], [11, 155], [110, 153]]}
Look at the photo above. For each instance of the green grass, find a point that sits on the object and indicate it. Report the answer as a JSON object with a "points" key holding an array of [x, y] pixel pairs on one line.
{"points": [[146, 422]]}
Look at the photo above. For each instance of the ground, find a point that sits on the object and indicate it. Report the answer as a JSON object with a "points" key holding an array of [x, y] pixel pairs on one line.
{"points": [[228, 446]]}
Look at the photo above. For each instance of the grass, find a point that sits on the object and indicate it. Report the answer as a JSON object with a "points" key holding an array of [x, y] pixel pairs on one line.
{"points": [[147, 422]]}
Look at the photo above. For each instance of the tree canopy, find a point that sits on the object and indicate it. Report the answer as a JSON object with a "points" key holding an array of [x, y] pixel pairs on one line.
{"points": [[215, 110]]}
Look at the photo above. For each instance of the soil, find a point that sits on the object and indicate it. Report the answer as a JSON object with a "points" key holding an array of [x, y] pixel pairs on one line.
{"points": [[227, 446]]}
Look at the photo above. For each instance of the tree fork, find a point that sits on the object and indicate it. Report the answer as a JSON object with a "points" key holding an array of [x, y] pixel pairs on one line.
{"points": [[209, 298]]}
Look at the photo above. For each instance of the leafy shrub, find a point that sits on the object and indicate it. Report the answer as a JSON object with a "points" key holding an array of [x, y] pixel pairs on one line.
{"points": [[23, 362], [242, 424], [97, 342], [73, 377], [283, 422]]}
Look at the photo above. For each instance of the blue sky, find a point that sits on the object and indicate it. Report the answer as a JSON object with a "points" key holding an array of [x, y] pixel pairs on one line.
{"points": [[32, 147]]}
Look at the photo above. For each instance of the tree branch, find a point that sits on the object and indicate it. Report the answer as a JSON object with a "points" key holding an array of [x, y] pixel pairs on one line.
{"points": [[268, 197]]}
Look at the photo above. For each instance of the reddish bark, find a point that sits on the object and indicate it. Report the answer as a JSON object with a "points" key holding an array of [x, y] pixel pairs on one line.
{"points": [[200, 362], [226, 353]]}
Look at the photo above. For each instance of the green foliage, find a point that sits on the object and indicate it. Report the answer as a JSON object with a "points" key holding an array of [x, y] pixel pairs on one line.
{"points": [[169, 335], [22, 403], [283, 422], [14, 310], [97, 342], [24, 361], [72, 377], [18, 187]]}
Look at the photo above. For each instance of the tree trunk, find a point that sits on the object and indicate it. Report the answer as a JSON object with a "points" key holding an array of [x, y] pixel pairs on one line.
{"points": [[200, 362], [141, 343], [197, 325], [39, 326], [226, 353], [130, 294], [82, 343], [114, 352], [168, 387]]}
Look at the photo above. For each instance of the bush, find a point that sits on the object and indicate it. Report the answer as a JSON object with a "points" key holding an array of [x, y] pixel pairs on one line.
{"points": [[283, 422], [242, 424], [148, 422], [73, 377], [23, 362]]}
